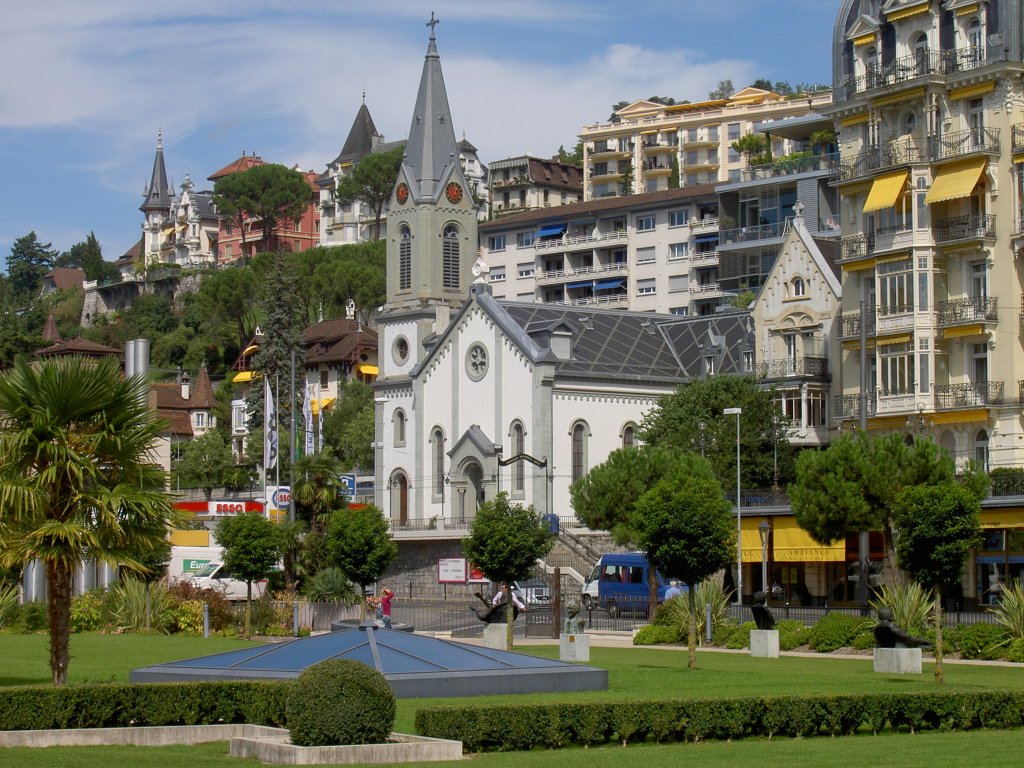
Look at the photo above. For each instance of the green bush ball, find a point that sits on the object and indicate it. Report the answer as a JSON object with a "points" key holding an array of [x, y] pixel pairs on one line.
{"points": [[340, 701]]}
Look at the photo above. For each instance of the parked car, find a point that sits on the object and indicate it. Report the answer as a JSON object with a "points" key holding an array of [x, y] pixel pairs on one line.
{"points": [[216, 576], [533, 592]]}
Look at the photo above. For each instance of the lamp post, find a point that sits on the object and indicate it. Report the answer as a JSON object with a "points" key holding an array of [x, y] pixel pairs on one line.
{"points": [[739, 504], [764, 530]]}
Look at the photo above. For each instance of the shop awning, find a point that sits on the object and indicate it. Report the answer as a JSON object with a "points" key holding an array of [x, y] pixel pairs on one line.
{"points": [[885, 191], [587, 284], [366, 368], [606, 285], [706, 239], [792, 544], [242, 377], [551, 230], [750, 539], [250, 350], [1002, 518], [905, 13], [324, 402], [956, 181]]}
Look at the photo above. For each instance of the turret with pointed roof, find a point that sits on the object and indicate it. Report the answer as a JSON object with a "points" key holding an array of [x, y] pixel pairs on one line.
{"points": [[159, 193], [362, 138]]}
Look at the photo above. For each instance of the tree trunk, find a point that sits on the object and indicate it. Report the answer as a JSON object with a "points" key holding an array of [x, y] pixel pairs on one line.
{"points": [[691, 630], [652, 590], [509, 617], [58, 609], [937, 591], [248, 608]]}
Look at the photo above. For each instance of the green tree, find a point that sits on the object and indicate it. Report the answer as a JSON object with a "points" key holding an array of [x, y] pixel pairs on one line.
{"points": [[252, 547], [27, 262], [77, 480], [317, 487], [88, 256], [354, 272], [691, 419], [754, 147], [268, 194], [372, 181], [673, 176], [226, 297], [938, 527], [359, 542], [723, 90], [205, 462], [293, 535], [684, 524], [150, 316], [571, 158], [505, 542], [626, 179], [348, 424]]}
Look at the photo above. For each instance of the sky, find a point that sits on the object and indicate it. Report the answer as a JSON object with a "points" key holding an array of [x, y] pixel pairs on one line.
{"points": [[87, 86]]}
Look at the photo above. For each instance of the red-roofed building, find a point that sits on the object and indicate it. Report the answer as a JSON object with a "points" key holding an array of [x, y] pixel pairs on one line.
{"points": [[61, 279], [188, 408], [78, 346]]}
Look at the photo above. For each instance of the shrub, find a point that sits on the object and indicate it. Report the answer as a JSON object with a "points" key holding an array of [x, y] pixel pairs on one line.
{"points": [[8, 604], [87, 611], [221, 614], [864, 639], [834, 631], [340, 701], [31, 617], [138, 606], [978, 641], [792, 634], [331, 586], [911, 605], [721, 634], [653, 634], [676, 611], [1015, 651], [741, 637], [188, 616], [1010, 611]]}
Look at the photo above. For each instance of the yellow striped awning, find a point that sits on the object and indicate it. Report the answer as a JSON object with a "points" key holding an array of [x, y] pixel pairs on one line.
{"points": [[366, 368], [855, 344], [959, 332], [896, 257], [864, 39], [324, 402], [859, 266], [885, 191], [956, 180], [792, 544], [906, 13], [1002, 518], [242, 377], [888, 341], [973, 416], [970, 91], [846, 122], [1018, 159], [899, 98], [185, 538], [250, 350], [751, 540], [967, 10]]}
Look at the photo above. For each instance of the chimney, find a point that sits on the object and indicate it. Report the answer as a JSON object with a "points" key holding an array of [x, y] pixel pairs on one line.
{"points": [[184, 386]]}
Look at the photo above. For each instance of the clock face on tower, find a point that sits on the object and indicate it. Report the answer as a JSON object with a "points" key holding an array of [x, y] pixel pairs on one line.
{"points": [[453, 192], [402, 193]]}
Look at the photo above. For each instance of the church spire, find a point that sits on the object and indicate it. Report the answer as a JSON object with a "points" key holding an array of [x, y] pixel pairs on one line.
{"points": [[158, 194], [431, 148]]}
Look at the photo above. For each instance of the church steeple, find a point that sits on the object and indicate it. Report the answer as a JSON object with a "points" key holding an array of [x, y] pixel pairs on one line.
{"points": [[431, 149], [158, 195]]}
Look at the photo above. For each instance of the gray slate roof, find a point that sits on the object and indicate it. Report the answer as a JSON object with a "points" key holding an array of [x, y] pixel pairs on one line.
{"points": [[159, 193]]}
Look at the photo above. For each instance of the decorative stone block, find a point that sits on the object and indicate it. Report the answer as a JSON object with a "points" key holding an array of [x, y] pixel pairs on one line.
{"points": [[764, 643], [495, 637], [574, 647], [898, 661]]}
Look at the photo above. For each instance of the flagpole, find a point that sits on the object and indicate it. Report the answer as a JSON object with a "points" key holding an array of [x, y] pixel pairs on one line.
{"points": [[266, 421], [277, 428]]}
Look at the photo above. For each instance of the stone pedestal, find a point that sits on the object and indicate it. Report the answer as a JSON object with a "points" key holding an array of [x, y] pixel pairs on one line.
{"points": [[495, 637], [574, 647], [898, 661], [764, 643]]}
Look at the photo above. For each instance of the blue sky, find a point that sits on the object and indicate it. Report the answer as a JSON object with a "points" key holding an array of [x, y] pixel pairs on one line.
{"points": [[87, 85]]}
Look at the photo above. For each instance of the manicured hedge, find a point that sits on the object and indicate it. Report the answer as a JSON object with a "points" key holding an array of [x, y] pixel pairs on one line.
{"points": [[520, 727], [119, 705]]}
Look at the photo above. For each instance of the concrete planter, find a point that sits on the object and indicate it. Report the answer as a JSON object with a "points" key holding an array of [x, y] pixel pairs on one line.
{"points": [[495, 637], [764, 643], [898, 661], [575, 648]]}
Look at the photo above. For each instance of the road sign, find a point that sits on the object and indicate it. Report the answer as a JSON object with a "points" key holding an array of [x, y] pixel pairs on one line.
{"points": [[348, 485]]}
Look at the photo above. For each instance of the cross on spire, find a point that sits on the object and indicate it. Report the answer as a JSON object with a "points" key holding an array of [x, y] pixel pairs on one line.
{"points": [[432, 23]]}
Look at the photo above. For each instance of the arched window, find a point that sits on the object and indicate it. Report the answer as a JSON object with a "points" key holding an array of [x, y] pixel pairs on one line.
{"points": [[450, 257], [629, 436], [798, 286], [909, 123], [579, 433], [399, 420], [981, 449], [437, 438], [919, 45], [519, 468], [974, 39], [404, 259]]}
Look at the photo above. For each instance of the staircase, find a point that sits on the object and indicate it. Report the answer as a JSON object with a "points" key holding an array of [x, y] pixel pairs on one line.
{"points": [[573, 556]]}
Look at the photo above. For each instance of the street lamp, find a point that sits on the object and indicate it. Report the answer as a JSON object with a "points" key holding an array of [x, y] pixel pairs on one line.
{"points": [[739, 503], [764, 530]]}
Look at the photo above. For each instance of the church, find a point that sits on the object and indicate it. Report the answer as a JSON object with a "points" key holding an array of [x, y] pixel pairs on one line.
{"points": [[477, 396]]}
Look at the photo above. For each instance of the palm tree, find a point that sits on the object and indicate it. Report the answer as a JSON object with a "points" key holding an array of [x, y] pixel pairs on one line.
{"points": [[317, 486], [77, 478]]}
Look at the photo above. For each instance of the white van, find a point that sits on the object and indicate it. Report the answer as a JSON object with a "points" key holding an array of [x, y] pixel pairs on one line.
{"points": [[215, 575]]}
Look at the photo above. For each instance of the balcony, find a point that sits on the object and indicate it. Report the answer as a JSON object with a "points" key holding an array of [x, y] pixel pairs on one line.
{"points": [[606, 270], [975, 226], [970, 395], [848, 325], [854, 247], [751, 234], [704, 256], [962, 143], [889, 155], [816, 367], [701, 289], [905, 69], [515, 181], [1017, 140], [653, 167], [583, 242], [848, 406], [658, 146], [610, 153], [974, 309], [790, 167], [962, 59]]}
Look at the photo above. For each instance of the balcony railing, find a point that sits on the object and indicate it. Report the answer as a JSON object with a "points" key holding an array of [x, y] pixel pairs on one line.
{"points": [[750, 234], [701, 288], [893, 153], [788, 167], [800, 366], [848, 406], [973, 309], [974, 226], [562, 243], [901, 70], [963, 59], [968, 395], [849, 325], [1017, 140], [959, 143], [856, 246]]}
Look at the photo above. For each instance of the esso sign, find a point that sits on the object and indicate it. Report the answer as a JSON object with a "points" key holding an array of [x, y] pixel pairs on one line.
{"points": [[226, 507], [281, 497]]}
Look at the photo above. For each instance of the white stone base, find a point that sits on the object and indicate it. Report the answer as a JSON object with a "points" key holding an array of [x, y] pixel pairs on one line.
{"points": [[574, 647], [764, 643], [898, 661], [495, 637]]}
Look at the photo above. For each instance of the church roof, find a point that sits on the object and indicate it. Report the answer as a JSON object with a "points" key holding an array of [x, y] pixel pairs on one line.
{"points": [[158, 195], [361, 138], [431, 149]]}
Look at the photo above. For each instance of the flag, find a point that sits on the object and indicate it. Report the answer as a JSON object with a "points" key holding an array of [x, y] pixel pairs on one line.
{"points": [[307, 416], [320, 428], [269, 427]]}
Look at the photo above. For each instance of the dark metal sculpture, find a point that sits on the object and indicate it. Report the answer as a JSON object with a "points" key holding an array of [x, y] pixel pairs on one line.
{"points": [[493, 614], [762, 615], [889, 634]]}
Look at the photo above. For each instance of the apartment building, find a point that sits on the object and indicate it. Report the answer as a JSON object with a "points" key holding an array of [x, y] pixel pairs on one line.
{"points": [[526, 183], [651, 253], [929, 108], [649, 146]]}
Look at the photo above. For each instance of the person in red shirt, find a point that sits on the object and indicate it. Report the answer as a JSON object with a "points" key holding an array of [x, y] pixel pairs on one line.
{"points": [[385, 607]]}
